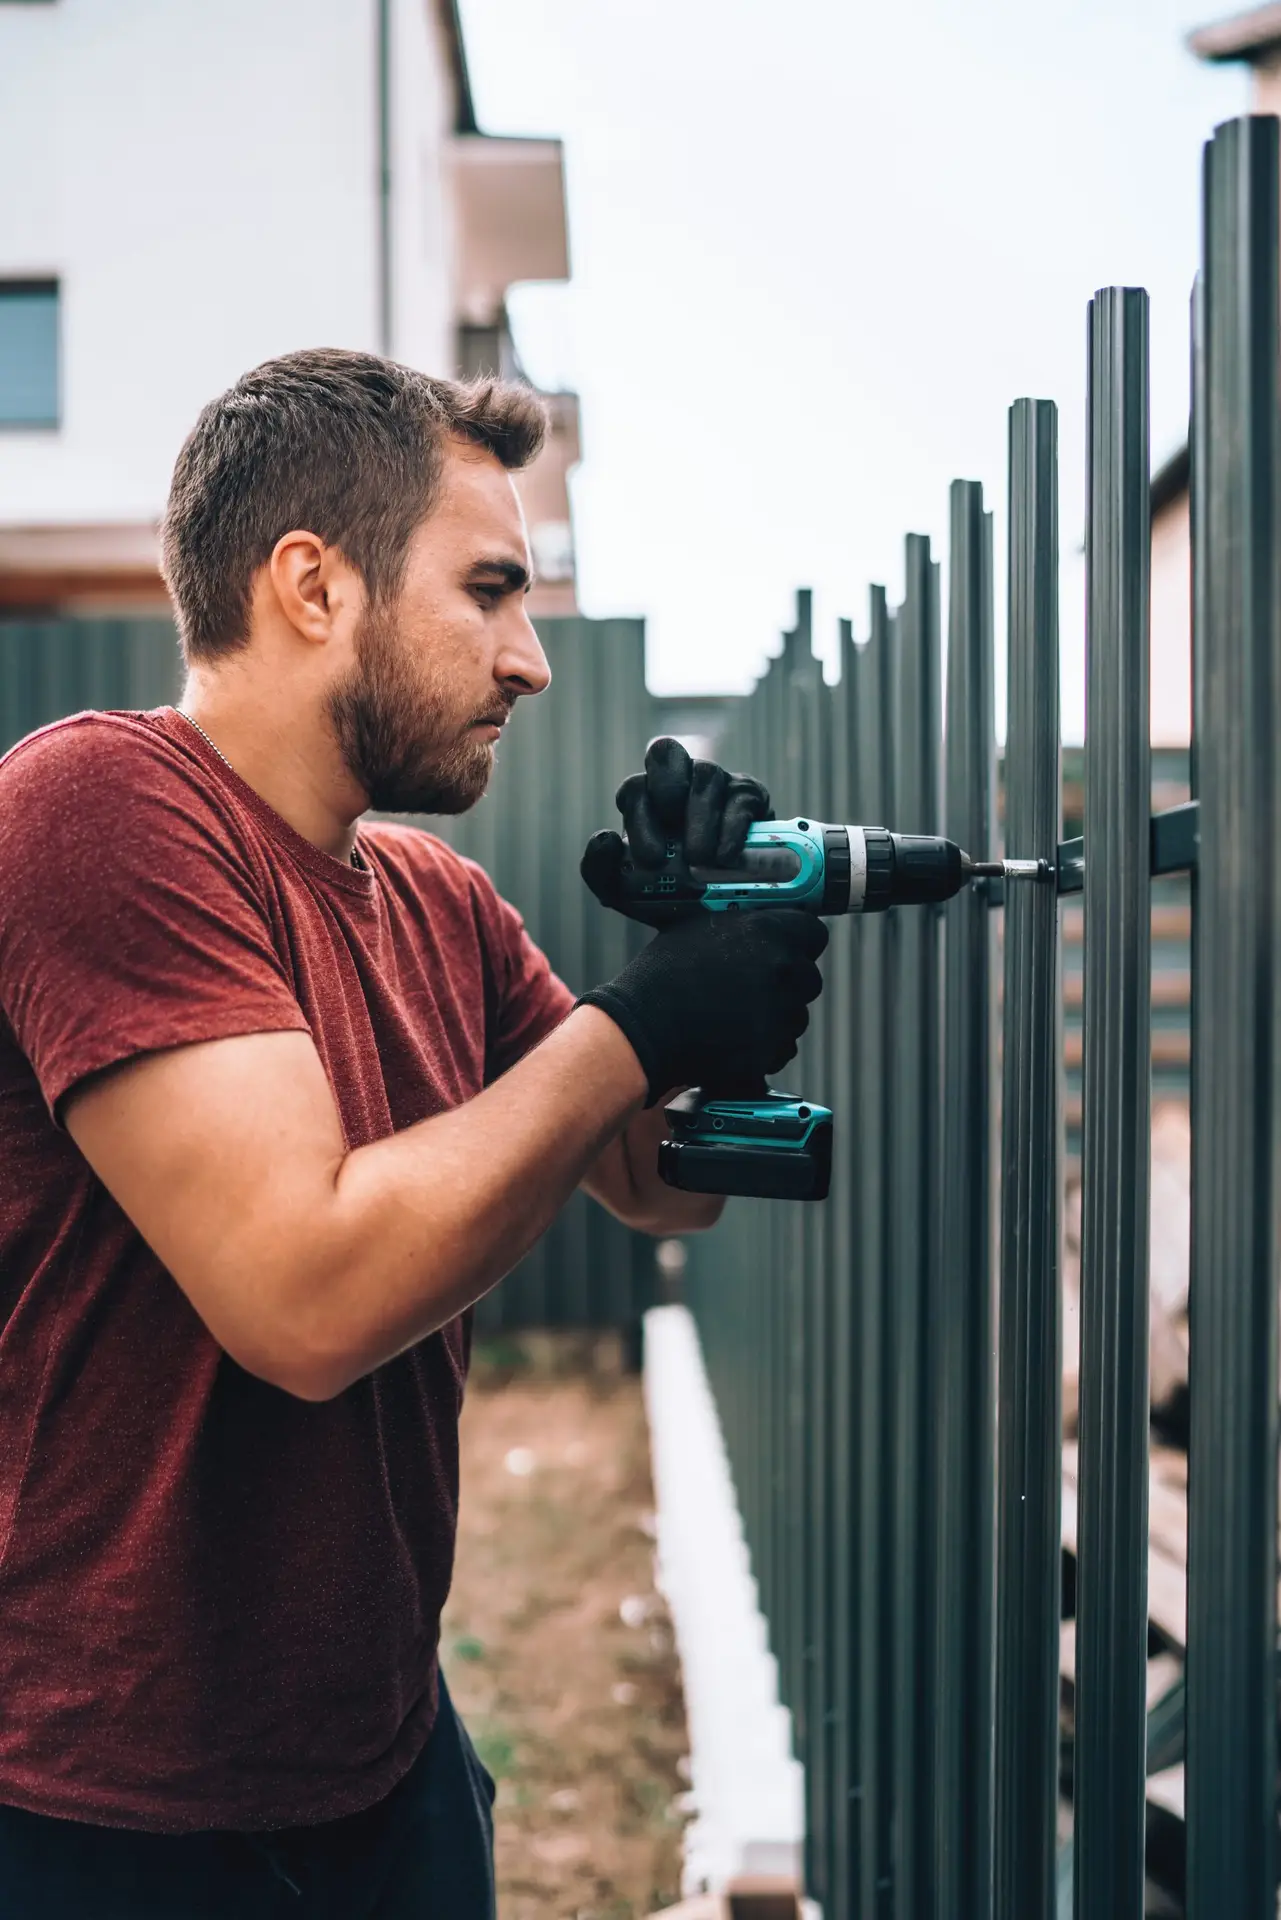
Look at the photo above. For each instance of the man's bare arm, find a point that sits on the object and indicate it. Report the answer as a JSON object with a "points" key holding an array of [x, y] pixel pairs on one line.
{"points": [[310, 1264], [625, 1179]]}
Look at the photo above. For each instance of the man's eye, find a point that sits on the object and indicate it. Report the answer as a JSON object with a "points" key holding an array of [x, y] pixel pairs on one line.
{"points": [[488, 596]]}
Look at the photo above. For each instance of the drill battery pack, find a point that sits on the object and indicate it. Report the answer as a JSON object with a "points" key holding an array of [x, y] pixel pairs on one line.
{"points": [[774, 1147]]}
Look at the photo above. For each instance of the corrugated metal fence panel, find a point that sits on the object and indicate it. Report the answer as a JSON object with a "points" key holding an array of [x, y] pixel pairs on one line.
{"points": [[558, 767], [50, 668]]}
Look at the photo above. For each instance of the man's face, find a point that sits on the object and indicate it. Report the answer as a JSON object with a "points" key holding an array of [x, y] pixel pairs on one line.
{"points": [[437, 670]]}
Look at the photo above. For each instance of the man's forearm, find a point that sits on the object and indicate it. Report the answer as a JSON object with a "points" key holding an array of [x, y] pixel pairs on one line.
{"points": [[422, 1224], [654, 1206]]}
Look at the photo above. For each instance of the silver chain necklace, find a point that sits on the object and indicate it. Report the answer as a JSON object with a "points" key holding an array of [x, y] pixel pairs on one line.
{"points": [[356, 860]]}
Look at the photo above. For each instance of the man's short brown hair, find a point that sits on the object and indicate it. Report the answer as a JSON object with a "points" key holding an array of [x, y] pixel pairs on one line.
{"points": [[347, 445]]}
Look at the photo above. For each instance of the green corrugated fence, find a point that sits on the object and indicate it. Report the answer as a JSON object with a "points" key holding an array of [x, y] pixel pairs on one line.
{"points": [[561, 760]]}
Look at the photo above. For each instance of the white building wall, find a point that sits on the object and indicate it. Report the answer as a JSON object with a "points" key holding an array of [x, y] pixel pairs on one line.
{"points": [[203, 180], [422, 125]]}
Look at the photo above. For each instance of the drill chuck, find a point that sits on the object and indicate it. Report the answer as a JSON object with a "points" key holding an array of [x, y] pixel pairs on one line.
{"points": [[899, 869]]}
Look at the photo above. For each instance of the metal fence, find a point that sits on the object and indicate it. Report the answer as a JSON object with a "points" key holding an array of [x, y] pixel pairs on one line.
{"points": [[554, 787], [887, 1367], [52, 667]]}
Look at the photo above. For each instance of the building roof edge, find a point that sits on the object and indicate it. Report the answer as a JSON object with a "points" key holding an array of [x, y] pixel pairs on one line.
{"points": [[1242, 36], [465, 114]]}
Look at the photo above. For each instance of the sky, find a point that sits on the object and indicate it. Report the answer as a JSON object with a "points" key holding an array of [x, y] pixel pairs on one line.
{"points": [[817, 250]]}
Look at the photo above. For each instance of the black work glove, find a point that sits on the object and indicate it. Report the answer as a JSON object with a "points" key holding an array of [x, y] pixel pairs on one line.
{"points": [[718, 1000], [694, 802]]}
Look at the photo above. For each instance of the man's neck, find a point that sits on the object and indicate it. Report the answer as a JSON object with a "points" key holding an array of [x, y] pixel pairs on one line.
{"points": [[290, 758]]}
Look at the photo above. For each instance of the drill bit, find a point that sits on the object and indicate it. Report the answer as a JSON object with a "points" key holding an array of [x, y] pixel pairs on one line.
{"points": [[1007, 869]]}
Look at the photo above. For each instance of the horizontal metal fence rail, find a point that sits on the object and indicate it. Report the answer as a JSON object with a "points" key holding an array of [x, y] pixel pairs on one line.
{"points": [[888, 1372]]}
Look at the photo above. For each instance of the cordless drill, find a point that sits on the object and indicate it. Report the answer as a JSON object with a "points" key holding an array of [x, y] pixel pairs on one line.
{"points": [[769, 1145]]}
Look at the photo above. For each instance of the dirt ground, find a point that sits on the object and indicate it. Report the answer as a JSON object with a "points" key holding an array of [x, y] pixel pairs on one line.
{"points": [[558, 1650]]}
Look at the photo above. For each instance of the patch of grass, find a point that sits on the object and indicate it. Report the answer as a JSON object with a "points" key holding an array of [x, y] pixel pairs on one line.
{"points": [[545, 1564], [500, 1357], [653, 1801], [496, 1749]]}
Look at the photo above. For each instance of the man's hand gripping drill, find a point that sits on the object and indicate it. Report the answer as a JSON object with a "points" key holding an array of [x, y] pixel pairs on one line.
{"points": [[720, 998]]}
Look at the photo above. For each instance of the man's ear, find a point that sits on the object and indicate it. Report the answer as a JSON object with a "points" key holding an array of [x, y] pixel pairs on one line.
{"points": [[315, 586]]}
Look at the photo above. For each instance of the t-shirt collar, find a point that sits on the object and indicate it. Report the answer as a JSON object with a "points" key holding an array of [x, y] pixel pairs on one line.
{"points": [[339, 873]]}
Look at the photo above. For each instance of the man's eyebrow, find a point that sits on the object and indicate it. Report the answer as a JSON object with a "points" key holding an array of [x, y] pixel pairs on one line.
{"points": [[516, 577]]}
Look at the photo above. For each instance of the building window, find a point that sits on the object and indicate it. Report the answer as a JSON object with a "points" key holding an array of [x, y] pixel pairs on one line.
{"points": [[28, 353]]}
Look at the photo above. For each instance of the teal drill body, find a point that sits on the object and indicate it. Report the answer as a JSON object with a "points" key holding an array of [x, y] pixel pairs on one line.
{"points": [[776, 1145]]}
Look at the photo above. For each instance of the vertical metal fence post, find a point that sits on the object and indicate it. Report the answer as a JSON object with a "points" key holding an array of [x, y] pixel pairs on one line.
{"points": [[961, 1310], [1111, 1639], [1029, 1485], [871, 1763], [913, 1207], [849, 1278], [794, 1278], [804, 782], [1232, 1466], [774, 1466], [829, 1063]]}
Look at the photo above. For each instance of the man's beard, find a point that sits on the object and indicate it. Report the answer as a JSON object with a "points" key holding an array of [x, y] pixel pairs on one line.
{"points": [[389, 720]]}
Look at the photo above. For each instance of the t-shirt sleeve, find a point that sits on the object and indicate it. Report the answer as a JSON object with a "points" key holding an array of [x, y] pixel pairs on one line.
{"points": [[131, 919], [531, 1001]]}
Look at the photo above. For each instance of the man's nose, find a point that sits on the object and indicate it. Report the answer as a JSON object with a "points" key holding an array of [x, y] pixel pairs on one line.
{"points": [[522, 665]]}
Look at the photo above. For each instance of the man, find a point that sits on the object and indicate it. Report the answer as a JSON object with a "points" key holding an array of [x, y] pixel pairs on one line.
{"points": [[282, 1093]]}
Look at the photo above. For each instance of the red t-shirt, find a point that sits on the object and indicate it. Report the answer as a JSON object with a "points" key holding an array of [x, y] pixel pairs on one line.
{"points": [[219, 1605]]}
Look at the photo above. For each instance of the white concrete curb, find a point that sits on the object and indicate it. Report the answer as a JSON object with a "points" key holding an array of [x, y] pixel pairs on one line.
{"points": [[746, 1789]]}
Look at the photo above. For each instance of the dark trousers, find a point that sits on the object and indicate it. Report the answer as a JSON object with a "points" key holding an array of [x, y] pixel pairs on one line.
{"points": [[423, 1853]]}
